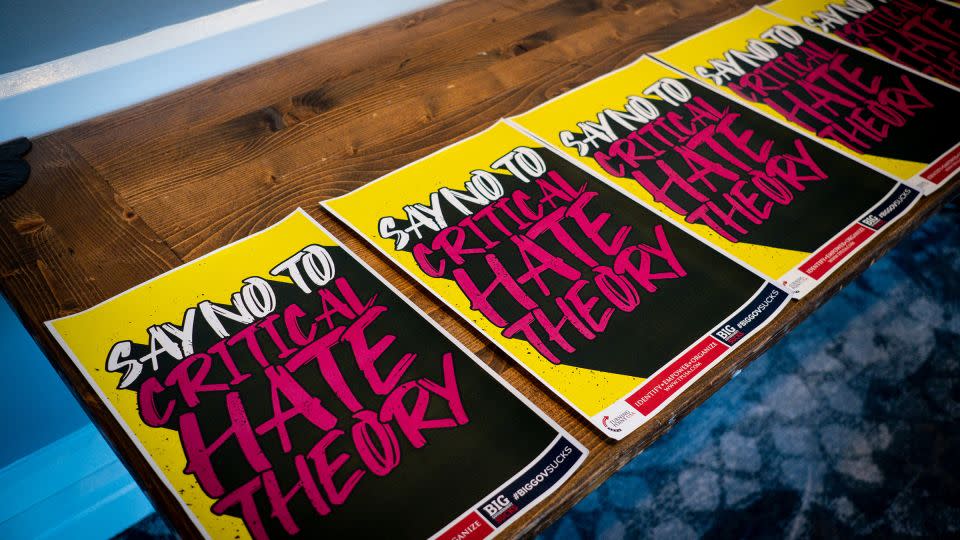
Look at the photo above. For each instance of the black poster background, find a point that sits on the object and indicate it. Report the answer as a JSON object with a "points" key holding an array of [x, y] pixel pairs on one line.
{"points": [[666, 322], [815, 215], [932, 55], [925, 136], [432, 485]]}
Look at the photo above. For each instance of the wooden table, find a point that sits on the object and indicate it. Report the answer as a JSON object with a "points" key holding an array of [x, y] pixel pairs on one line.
{"points": [[119, 199]]}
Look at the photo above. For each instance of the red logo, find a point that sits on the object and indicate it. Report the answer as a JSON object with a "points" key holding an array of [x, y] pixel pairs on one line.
{"points": [[611, 428], [618, 420]]}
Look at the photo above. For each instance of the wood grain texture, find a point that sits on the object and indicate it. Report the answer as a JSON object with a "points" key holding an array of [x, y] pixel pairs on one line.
{"points": [[120, 199]]}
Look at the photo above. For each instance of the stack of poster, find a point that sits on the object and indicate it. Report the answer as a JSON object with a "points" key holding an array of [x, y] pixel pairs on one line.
{"points": [[611, 305], [921, 34], [279, 388], [617, 242], [779, 201], [890, 117]]}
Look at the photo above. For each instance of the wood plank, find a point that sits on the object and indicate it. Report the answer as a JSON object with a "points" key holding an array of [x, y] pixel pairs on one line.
{"points": [[304, 74], [122, 198]]}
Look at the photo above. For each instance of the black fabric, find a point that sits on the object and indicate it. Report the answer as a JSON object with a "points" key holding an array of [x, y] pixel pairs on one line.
{"points": [[14, 171], [15, 148], [13, 175]]}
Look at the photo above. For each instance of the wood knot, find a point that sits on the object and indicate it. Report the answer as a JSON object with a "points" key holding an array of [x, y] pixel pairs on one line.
{"points": [[581, 7], [275, 120], [412, 21], [531, 42], [31, 224], [316, 101]]}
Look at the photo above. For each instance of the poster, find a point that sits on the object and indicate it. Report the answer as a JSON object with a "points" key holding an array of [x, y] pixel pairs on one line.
{"points": [[779, 201], [921, 34], [281, 389], [890, 117], [610, 305]]}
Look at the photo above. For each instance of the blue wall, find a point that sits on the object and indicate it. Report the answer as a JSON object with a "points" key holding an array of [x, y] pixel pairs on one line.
{"points": [[37, 31], [36, 408]]}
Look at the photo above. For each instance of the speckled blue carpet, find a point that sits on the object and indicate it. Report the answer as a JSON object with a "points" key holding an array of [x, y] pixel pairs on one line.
{"points": [[848, 427]]}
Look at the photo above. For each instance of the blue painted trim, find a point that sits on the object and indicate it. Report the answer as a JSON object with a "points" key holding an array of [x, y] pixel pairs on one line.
{"points": [[36, 408], [73, 488]]}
